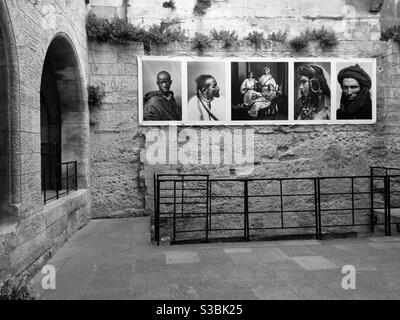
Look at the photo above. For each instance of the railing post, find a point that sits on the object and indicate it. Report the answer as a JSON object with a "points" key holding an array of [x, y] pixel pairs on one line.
{"points": [[76, 175], [352, 202], [210, 209], [174, 229], [44, 185], [57, 185], [67, 178], [372, 213], [386, 203], [317, 199], [208, 195], [183, 195], [389, 207], [281, 197], [319, 209], [246, 210], [158, 212], [316, 207]]}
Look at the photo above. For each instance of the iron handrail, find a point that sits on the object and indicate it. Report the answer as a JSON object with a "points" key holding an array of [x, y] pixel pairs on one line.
{"points": [[59, 182], [315, 189]]}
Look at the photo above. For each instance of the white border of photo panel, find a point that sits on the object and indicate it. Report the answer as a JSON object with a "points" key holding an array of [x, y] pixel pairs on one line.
{"points": [[333, 103], [228, 121], [373, 90], [264, 122], [291, 98], [334, 84], [141, 93]]}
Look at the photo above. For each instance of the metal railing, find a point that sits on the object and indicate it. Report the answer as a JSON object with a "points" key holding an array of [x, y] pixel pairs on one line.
{"points": [[59, 180], [196, 208], [385, 186]]}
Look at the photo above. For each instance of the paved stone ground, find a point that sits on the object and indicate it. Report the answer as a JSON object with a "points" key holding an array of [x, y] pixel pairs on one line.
{"points": [[114, 259]]}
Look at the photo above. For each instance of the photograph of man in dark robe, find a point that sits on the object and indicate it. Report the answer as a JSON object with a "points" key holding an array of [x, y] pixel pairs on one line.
{"points": [[161, 105], [356, 100]]}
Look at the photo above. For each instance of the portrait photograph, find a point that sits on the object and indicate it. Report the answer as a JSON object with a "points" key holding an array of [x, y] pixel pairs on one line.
{"points": [[162, 91], [206, 84], [312, 90], [354, 90], [259, 91]]}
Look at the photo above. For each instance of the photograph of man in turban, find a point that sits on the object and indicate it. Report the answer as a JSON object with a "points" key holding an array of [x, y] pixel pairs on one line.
{"points": [[355, 103]]}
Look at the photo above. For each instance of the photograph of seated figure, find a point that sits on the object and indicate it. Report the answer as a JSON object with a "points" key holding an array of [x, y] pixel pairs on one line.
{"points": [[259, 91]]}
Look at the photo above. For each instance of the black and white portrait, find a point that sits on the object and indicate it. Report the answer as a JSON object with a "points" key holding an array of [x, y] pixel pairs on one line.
{"points": [[354, 91], [162, 91], [259, 90], [206, 91], [312, 89]]}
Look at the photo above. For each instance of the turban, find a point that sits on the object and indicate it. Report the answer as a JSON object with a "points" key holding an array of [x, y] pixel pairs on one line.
{"points": [[355, 72]]}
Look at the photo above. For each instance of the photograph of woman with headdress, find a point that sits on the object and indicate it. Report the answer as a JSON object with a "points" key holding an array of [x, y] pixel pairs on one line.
{"points": [[262, 99], [313, 93]]}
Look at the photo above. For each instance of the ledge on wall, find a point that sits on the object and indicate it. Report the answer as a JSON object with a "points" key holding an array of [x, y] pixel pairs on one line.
{"points": [[62, 207]]}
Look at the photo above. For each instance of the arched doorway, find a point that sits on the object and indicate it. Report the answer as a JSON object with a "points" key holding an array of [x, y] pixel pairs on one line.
{"points": [[64, 120], [9, 122]]}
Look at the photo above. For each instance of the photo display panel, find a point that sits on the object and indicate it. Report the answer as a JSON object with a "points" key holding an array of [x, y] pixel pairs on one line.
{"points": [[256, 91]]}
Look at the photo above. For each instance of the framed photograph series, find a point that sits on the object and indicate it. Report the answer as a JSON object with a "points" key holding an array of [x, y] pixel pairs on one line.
{"points": [[256, 91]]}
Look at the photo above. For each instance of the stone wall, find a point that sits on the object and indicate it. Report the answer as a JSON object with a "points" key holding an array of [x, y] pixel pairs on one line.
{"points": [[117, 188], [306, 151], [343, 16], [121, 179], [27, 237], [280, 151]]}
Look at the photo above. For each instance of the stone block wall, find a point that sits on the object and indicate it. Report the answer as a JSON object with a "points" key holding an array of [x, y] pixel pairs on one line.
{"points": [[31, 234], [280, 151], [117, 187], [122, 179], [244, 16]]}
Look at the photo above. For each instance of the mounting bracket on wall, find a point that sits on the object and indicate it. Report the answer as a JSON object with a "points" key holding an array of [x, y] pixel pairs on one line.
{"points": [[376, 6]]}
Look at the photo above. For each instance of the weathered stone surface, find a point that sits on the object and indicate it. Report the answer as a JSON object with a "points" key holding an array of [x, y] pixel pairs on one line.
{"points": [[121, 181], [29, 28]]}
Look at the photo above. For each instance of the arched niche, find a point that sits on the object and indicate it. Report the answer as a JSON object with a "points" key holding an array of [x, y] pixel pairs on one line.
{"points": [[64, 111]]}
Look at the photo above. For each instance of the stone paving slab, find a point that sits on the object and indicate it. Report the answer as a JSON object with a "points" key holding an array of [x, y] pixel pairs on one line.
{"points": [[182, 257], [314, 263], [115, 260]]}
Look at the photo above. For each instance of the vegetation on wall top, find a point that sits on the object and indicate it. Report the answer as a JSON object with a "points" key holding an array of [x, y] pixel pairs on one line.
{"points": [[115, 31], [169, 5], [256, 38], [201, 42], [167, 31], [392, 33], [120, 31], [278, 36], [327, 39], [228, 38], [201, 7], [96, 95]]}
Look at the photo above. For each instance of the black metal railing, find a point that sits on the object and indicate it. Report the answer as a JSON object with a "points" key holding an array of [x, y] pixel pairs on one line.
{"points": [[200, 209], [59, 180], [385, 186]]}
